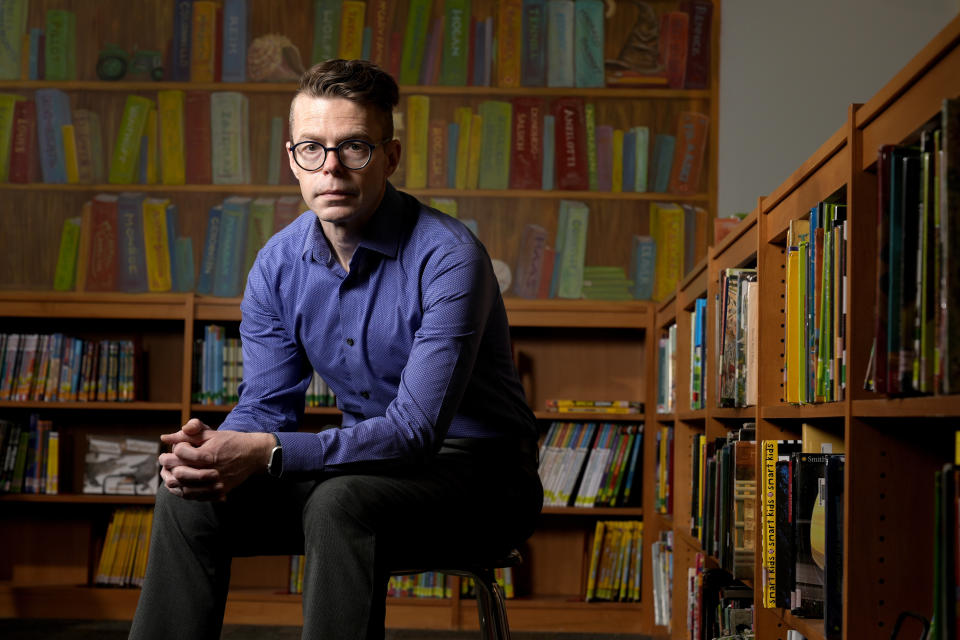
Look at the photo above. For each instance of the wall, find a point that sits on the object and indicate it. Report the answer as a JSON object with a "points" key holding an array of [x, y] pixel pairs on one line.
{"points": [[789, 70]]}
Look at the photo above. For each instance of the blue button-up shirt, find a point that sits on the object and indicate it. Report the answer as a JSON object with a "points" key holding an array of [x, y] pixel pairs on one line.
{"points": [[413, 340]]}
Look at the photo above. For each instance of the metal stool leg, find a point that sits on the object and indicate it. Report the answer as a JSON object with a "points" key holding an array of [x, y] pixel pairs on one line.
{"points": [[491, 607]]}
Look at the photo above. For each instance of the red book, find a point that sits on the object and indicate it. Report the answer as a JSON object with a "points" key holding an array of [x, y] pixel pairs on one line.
{"points": [[199, 168], [24, 158], [698, 42], [378, 11], [396, 47], [526, 141], [546, 272], [102, 264], [676, 47], [570, 140], [688, 155], [437, 155]]}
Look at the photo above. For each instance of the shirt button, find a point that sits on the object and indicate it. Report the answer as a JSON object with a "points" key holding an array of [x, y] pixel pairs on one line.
{"points": [[365, 395], [350, 342]]}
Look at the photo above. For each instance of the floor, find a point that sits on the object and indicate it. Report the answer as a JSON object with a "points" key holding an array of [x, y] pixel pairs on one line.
{"points": [[19, 629]]}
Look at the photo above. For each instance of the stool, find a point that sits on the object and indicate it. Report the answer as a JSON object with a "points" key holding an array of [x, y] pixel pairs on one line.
{"points": [[491, 604]]}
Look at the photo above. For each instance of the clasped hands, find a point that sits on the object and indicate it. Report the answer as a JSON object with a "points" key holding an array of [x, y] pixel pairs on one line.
{"points": [[205, 464]]}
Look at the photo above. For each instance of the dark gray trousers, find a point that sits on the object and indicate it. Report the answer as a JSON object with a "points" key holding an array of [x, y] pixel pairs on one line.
{"points": [[354, 529]]}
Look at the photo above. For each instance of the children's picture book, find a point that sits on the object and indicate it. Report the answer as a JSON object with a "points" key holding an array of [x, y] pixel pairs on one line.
{"points": [[121, 465]]}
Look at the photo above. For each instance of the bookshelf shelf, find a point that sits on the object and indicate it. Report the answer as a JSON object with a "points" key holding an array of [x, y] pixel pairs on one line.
{"points": [[287, 88], [125, 306], [733, 413], [666, 417], [919, 407], [93, 406], [787, 411], [632, 512], [697, 415]]}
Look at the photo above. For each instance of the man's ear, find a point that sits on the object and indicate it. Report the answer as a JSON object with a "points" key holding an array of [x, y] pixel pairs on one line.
{"points": [[293, 164]]}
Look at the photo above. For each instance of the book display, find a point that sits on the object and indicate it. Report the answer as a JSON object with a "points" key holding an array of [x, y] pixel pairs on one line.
{"points": [[828, 377], [142, 166]]}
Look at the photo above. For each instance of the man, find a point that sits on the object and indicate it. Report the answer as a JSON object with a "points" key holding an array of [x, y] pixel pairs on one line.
{"points": [[396, 306]]}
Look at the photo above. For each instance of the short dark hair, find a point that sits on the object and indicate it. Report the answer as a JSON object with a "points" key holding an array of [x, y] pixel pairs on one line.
{"points": [[359, 81]]}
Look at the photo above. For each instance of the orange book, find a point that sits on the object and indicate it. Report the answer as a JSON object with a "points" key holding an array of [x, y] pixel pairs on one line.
{"points": [[437, 155], [203, 42], [691, 146], [509, 42]]}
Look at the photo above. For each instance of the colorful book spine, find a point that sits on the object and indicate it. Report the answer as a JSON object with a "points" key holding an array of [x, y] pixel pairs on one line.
{"points": [[229, 137], [13, 25], [700, 20], [616, 171], [473, 155], [180, 48], [235, 25], [456, 43], [60, 46], [149, 150], [464, 119], [662, 160], [666, 226], [8, 105], [549, 148], [437, 155], [259, 228], [495, 147], [604, 145], [66, 270], [230, 275], [131, 257], [641, 158], [588, 43], [570, 141], [529, 267], [414, 41], [509, 42], [156, 244], [418, 109], [211, 240], [24, 159], [351, 29], [674, 40], [533, 62], [53, 111], [89, 140], [184, 271], [203, 41], [642, 262], [574, 251], [379, 18], [526, 142], [326, 29], [691, 144], [170, 113], [590, 121], [126, 148], [560, 43], [104, 241]]}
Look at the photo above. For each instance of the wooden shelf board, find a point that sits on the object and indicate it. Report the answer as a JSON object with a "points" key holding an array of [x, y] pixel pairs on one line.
{"points": [[733, 413], [588, 416], [786, 411], [920, 407], [633, 512], [688, 539], [405, 90], [665, 417], [127, 306], [211, 308], [811, 628], [93, 406], [578, 313], [75, 498], [748, 223], [694, 414]]}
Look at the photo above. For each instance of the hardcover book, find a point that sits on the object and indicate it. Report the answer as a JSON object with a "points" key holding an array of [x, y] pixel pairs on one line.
{"points": [[417, 150], [60, 46], [8, 103], [197, 161], [229, 137], [131, 256], [208, 263], [574, 249], [126, 148], [53, 111], [588, 43], [526, 159], [437, 155], [691, 144], [456, 43], [496, 117], [203, 41], [156, 244], [170, 112], [65, 273], [230, 276], [13, 26], [533, 241], [326, 29], [570, 141], [180, 49], [104, 239], [89, 140], [414, 41], [24, 159], [509, 42], [700, 14], [234, 36], [533, 64], [351, 29], [560, 43], [379, 15]]}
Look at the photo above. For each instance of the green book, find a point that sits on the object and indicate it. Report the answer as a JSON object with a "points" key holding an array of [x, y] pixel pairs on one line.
{"points": [[66, 271], [641, 154], [259, 228], [20, 465], [13, 24], [414, 41], [60, 46], [590, 116], [456, 43], [574, 249], [126, 148], [8, 102], [326, 29], [497, 116]]}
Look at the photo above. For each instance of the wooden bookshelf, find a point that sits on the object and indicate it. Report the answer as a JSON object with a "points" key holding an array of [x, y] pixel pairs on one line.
{"points": [[564, 348], [893, 444]]}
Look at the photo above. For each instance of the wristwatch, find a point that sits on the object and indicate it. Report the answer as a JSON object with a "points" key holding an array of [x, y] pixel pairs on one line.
{"points": [[275, 465]]}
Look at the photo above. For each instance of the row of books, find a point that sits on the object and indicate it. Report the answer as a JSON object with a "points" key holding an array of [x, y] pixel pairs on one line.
{"points": [[698, 354], [29, 457], [738, 319], [815, 306], [594, 406], [588, 464], [530, 143], [123, 560], [38, 53], [661, 551], [916, 346], [718, 606], [44, 138], [667, 369], [217, 367], [616, 561], [663, 500], [59, 368]]}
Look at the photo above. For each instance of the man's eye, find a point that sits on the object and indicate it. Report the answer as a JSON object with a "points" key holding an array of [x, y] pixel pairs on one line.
{"points": [[354, 146], [311, 147]]}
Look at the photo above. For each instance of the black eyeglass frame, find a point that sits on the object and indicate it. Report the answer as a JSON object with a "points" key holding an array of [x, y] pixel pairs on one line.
{"points": [[326, 150]]}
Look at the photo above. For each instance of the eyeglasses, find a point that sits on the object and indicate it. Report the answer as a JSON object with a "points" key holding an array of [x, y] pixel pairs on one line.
{"points": [[353, 154]]}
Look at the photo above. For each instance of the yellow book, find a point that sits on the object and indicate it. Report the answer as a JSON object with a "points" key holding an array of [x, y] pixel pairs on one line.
{"points": [[70, 154], [143, 547], [769, 546], [463, 116], [666, 226], [8, 102], [203, 41], [351, 29], [53, 464], [956, 449], [150, 132], [617, 169], [108, 553], [156, 244], [473, 155], [598, 534], [418, 108], [608, 563], [814, 440], [793, 336], [509, 42], [170, 106], [83, 250], [446, 205]]}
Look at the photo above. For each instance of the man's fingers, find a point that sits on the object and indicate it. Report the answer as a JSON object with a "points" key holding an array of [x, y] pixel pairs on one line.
{"points": [[193, 456], [194, 478]]}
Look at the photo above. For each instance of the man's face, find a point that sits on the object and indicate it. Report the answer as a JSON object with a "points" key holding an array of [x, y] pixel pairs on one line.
{"points": [[338, 195]]}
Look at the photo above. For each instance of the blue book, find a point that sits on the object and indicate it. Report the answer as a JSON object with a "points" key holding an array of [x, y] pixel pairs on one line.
{"points": [[235, 17], [533, 61], [453, 138], [548, 153], [663, 146], [629, 160], [183, 264], [208, 263], [560, 43], [628, 499], [588, 43], [230, 276], [53, 111], [36, 37], [479, 50], [367, 42], [642, 263], [172, 244], [131, 256], [182, 32], [76, 361]]}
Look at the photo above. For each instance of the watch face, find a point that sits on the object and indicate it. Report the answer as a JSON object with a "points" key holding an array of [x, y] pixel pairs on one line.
{"points": [[275, 467]]}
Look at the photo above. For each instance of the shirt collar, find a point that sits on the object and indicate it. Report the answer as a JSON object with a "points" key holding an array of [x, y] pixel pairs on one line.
{"points": [[381, 234]]}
